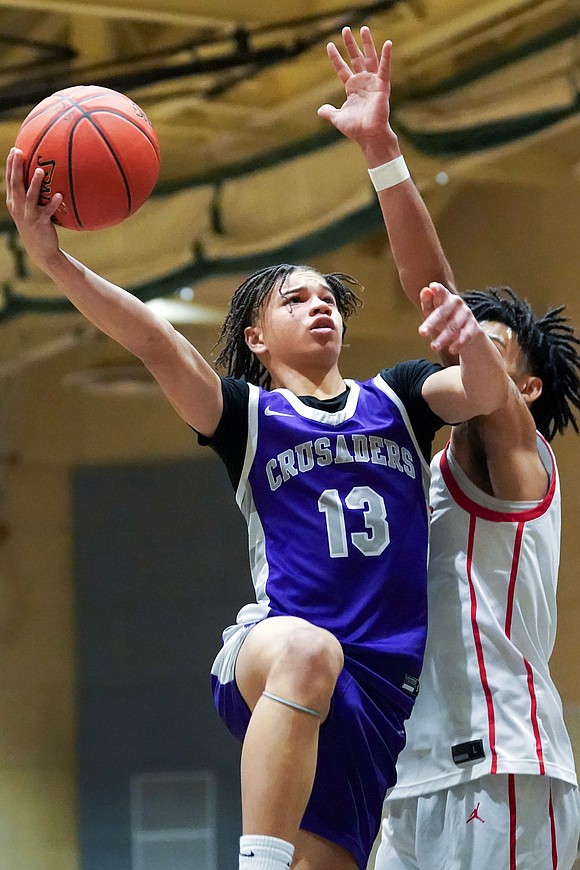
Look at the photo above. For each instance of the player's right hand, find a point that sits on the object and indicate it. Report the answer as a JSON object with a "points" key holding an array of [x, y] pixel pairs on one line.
{"points": [[448, 322], [33, 221]]}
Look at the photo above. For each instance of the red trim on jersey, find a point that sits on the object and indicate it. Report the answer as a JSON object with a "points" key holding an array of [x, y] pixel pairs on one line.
{"points": [[513, 819], [476, 512], [479, 647], [534, 717], [484, 513], [513, 577], [553, 833]]}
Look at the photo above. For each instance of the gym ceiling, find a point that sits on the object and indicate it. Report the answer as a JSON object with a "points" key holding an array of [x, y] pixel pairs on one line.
{"points": [[250, 174]]}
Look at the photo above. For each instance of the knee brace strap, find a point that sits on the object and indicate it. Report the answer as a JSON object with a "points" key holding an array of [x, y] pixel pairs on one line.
{"points": [[291, 704]]}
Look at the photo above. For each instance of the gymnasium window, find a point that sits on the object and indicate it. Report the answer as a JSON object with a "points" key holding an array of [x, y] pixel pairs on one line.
{"points": [[173, 821]]}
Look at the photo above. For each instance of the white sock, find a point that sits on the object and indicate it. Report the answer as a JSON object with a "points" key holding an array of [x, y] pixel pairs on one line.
{"points": [[264, 853]]}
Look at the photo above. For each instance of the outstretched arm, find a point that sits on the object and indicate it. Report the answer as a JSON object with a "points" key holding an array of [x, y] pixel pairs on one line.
{"points": [[498, 448], [479, 385], [364, 117], [188, 381]]}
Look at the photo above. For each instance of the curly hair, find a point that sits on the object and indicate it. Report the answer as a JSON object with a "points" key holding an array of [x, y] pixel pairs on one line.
{"points": [[248, 300], [550, 346]]}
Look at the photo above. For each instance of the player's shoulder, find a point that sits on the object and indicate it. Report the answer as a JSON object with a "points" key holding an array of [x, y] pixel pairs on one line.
{"points": [[409, 374], [235, 389]]}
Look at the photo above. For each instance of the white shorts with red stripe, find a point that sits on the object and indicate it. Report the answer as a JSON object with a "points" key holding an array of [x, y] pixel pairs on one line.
{"points": [[497, 822]]}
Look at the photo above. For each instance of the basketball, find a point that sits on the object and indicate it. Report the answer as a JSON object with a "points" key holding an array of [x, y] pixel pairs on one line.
{"points": [[97, 148]]}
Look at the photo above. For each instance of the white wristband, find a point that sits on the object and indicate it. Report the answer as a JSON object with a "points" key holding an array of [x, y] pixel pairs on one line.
{"points": [[389, 174]]}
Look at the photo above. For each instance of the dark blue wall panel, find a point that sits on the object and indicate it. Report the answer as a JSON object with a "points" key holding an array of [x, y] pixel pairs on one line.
{"points": [[161, 569]]}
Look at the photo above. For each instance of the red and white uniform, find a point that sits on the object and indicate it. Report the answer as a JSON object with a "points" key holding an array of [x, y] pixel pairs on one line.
{"points": [[487, 776], [492, 625]]}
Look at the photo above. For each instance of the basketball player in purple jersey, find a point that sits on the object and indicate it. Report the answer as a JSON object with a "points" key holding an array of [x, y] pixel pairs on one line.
{"points": [[319, 674]]}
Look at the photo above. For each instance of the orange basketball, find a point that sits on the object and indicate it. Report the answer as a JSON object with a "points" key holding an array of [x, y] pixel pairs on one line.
{"points": [[97, 148]]}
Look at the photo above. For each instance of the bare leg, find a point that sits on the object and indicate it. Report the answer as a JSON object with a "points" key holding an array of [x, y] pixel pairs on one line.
{"points": [[299, 662]]}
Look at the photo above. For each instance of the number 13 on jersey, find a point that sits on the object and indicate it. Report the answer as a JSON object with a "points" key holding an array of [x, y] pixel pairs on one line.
{"points": [[361, 498]]}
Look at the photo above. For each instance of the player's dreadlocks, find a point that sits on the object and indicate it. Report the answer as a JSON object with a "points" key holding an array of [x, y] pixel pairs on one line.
{"points": [[551, 348], [247, 301]]}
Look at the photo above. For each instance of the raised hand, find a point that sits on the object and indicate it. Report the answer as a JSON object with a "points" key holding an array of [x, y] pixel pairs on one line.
{"points": [[448, 321], [364, 115], [33, 221]]}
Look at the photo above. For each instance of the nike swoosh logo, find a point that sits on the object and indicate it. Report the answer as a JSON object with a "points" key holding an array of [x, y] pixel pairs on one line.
{"points": [[249, 855], [270, 412]]}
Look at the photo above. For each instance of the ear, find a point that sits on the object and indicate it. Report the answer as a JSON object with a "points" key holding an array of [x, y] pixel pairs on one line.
{"points": [[255, 338], [531, 388]]}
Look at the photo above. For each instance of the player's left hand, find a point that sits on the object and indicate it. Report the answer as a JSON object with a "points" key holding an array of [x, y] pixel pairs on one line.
{"points": [[364, 115], [448, 321]]}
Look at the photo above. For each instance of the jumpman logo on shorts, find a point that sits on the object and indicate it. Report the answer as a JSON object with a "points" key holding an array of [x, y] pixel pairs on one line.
{"points": [[475, 815]]}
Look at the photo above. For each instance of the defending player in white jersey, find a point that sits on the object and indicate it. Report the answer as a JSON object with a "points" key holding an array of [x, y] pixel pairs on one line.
{"points": [[487, 776]]}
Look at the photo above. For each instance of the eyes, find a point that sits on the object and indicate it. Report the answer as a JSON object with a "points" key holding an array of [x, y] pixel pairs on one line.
{"points": [[297, 298]]}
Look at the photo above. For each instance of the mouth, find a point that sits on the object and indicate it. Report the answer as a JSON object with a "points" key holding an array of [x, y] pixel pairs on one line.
{"points": [[323, 324]]}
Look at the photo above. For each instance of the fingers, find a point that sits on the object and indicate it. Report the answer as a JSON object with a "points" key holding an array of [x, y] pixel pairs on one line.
{"points": [[21, 202], [427, 303], [33, 192], [384, 68], [34, 203], [14, 178], [438, 310], [52, 207], [327, 112], [358, 60], [9, 161], [449, 323], [369, 47], [341, 68], [366, 60]]}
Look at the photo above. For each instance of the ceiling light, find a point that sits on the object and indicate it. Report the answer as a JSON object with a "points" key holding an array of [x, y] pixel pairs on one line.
{"points": [[178, 311]]}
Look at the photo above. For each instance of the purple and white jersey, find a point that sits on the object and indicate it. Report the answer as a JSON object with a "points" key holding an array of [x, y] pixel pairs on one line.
{"points": [[336, 508]]}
